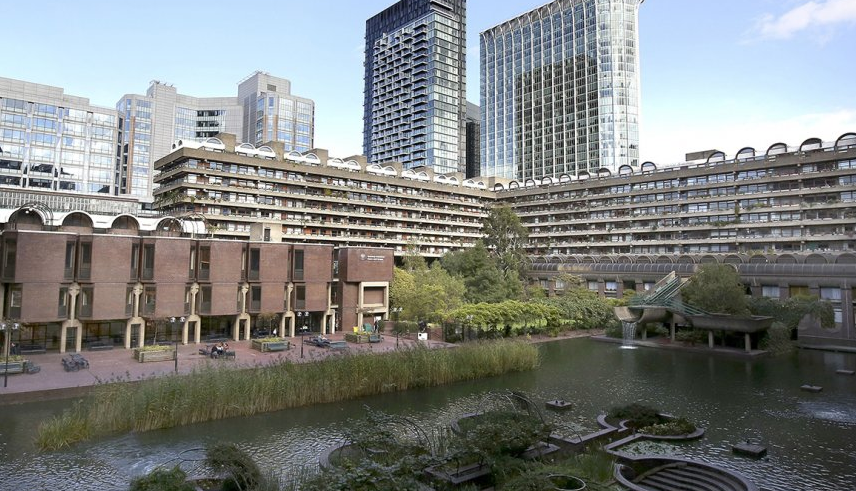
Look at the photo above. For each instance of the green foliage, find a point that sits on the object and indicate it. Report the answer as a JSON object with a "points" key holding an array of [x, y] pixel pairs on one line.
{"points": [[791, 311], [214, 392], [581, 308], [426, 294], [509, 318], [173, 479], [671, 427], [691, 336], [778, 340], [497, 433], [240, 471], [482, 275], [716, 288], [637, 415], [506, 238], [367, 475]]}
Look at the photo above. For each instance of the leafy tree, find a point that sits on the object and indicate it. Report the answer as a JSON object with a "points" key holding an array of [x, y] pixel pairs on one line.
{"points": [[484, 280], [791, 311], [412, 260], [583, 309], [716, 288], [506, 238], [426, 294]]}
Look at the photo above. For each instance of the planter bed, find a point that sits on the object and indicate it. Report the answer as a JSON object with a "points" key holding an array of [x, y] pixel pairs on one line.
{"points": [[153, 355], [265, 346]]}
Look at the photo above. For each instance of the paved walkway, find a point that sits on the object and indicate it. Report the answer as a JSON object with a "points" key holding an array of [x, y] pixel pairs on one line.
{"points": [[118, 364]]}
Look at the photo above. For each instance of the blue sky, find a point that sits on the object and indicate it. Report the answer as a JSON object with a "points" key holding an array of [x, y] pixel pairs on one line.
{"points": [[714, 73]]}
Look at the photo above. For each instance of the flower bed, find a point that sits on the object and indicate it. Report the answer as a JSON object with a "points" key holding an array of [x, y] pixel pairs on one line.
{"points": [[270, 344]]}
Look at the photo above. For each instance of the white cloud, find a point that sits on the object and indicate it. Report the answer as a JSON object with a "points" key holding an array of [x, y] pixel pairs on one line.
{"points": [[809, 15], [668, 145]]}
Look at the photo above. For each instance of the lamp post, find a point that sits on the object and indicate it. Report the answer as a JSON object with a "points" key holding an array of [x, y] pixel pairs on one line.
{"points": [[302, 316], [8, 343], [395, 311], [172, 321]]}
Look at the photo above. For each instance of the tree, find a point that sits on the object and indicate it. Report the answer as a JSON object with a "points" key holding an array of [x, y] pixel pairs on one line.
{"points": [[426, 294], [484, 280], [716, 288], [506, 237]]}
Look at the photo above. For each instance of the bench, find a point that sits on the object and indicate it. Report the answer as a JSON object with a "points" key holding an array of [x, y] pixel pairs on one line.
{"points": [[228, 354], [12, 367], [338, 345], [31, 349], [375, 338], [69, 365]]}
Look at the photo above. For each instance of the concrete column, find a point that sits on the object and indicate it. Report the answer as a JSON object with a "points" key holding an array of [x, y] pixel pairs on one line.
{"points": [[644, 332], [672, 330], [747, 340], [710, 339], [640, 286]]}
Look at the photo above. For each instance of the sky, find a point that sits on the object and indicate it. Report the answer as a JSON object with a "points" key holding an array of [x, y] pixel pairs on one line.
{"points": [[715, 74]]}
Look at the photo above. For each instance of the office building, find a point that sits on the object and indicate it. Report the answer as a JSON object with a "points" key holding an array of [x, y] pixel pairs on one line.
{"points": [[473, 155], [151, 123], [51, 141], [415, 83], [560, 90], [272, 113]]}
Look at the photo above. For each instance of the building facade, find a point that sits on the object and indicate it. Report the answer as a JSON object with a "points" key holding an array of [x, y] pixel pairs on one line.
{"points": [[415, 84], [78, 280], [54, 142], [560, 90], [272, 113], [473, 139]]}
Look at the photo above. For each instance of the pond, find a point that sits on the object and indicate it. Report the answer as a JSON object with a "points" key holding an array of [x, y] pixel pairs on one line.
{"points": [[810, 436]]}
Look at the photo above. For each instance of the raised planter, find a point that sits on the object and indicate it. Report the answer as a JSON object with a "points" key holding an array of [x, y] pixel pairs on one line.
{"points": [[265, 346], [357, 338], [456, 475], [143, 355], [12, 367]]}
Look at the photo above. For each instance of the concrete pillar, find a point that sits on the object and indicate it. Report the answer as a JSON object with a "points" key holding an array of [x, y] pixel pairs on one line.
{"points": [[847, 322], [640, 286], [672, 330], [710, 339], [747, 339], [644, 332]]}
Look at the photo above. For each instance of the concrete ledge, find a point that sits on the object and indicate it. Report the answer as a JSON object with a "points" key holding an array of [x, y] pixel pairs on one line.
{"points": [[699, 348]]}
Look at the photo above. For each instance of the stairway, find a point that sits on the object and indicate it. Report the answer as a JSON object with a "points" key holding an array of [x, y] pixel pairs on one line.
{"points": [[688, 476]]}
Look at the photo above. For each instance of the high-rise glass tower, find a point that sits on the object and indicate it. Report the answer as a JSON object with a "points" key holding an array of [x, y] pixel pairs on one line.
{"points": [[415, 83], [560, 90]]}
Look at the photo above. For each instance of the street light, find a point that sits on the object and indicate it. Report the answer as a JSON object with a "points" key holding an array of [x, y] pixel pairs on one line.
{"points": [[395, 311], [172, 321], [8, 342], [302, 316]]}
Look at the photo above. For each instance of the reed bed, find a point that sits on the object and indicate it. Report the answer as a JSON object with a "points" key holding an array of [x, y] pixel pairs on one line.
{"points": [[216, 392]]}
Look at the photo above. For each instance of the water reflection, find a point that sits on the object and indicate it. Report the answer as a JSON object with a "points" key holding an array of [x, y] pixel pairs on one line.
{"points": [[809, 436]]}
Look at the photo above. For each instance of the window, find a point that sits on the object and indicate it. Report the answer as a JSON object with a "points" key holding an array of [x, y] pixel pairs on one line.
{"points": [[69, 260], [204, 300], [832, 294], [135, 261], [9, 256], [298, 265], [148, 261], [85, 267], [770, 291], [299, 297], [15, 301], [255, 298], [255, 259], [129, 301], [149, 300], [62, 306], [84, 302], [204, 262]]}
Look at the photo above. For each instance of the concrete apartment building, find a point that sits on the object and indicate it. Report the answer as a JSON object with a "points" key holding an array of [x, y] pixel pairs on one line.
{"points": [[560, 90], [785, 218], [415, 85]]}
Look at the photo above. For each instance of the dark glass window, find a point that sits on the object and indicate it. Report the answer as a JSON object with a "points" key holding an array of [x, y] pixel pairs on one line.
{"points": [[148, 261], [298, 265], [69, 260], [255, 260], [85, 267]]}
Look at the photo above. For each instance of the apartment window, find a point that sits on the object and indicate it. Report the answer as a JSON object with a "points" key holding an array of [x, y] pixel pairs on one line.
{"points": [[148, 261], [255, 263], [69, 260], [299, 297], [267, 234], [770, 291], [298, 265], [335, 269], [192, 268], [135, 261], [84, 302], [85, 267], [255, 298], [62, 304], [240, 300], [129, 301], [149, 300], [204, 300], [15, 301], [204, 262], [833, 294]]}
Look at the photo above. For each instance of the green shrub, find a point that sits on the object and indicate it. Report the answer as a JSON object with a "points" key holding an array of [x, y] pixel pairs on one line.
{"points": [[637, 415], [173, 479], [691, 336], [614, 331], [496, 433], [241, 472], [673, 427], [777, 339]]}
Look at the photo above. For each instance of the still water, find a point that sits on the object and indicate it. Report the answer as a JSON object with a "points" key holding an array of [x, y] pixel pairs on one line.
{"points": [[811, 436]]}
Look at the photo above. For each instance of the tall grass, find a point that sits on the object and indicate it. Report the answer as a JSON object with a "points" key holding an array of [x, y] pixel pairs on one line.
{"points": [[215, 392]]}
